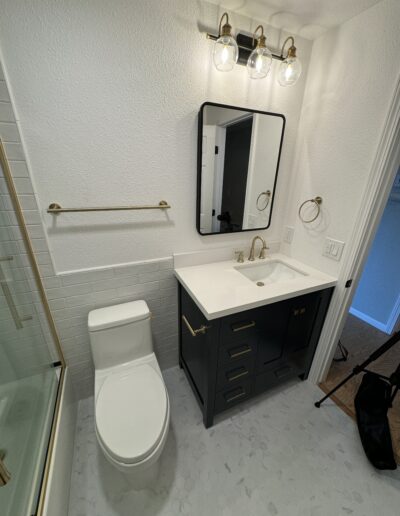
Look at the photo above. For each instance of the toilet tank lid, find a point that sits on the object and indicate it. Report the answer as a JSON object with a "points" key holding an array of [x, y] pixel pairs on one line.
{"points": [[117, 315]]}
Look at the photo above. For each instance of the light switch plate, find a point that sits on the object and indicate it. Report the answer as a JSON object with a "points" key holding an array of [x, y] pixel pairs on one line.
{"points": [[333, 249], [288, 234]]}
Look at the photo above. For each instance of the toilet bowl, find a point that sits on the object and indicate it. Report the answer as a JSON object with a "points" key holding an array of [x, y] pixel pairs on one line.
{"points": [[132, 410]]}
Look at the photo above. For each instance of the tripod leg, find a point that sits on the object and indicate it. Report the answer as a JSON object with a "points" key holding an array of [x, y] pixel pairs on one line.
{"points": [[358, 369], [354, 373]]}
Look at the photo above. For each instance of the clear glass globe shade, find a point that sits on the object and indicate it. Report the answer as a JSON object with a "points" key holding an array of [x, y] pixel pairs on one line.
{"points": [[225, 53], [289, 71], [259, 63]]}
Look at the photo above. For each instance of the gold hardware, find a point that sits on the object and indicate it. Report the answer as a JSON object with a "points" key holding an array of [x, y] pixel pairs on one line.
{"points": [[239, 375], [240, 256], [228, 400], [261, 40], [263, 248], [240, 353], [251, 324], [267, 194], [226, 29], [55, 208], [193, 332], [317, 201], [292, 49], [5, 475]]}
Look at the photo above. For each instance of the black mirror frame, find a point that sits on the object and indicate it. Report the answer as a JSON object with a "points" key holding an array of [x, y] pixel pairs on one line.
{"points": [[199, 158]]}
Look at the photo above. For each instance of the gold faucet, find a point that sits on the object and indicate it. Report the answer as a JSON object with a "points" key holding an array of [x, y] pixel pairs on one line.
{"points": [[262, 251]]}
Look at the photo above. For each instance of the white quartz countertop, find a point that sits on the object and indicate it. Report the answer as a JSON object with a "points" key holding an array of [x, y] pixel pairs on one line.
{"points": [[219, 289]]}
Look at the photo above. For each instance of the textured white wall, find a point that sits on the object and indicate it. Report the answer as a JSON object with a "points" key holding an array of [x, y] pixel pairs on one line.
{"points": [[352, 76], [70, 296], [107, 94]]}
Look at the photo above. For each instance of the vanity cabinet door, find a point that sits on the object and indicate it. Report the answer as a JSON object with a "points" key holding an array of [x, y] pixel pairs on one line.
{"points": [[303, 312], [307, 315], [199, 352], [271, 331]]}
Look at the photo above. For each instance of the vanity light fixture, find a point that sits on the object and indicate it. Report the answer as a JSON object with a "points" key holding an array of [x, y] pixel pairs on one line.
{"points": [[290, 67], [252, 52], [226, 52], [259, 62]]}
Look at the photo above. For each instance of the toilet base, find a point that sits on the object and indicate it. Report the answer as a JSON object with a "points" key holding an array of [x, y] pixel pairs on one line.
{"points": [[143, 479]]}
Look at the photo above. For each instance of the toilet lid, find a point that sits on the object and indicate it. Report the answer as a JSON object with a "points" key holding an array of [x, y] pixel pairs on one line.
{"points": [[131, 411]]}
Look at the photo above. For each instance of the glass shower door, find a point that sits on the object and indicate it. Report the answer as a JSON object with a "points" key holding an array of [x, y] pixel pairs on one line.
{"points": [[29, 372]]}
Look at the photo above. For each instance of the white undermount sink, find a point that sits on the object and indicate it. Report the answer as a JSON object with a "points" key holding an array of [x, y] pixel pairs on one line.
{"points": [[271, 271]]}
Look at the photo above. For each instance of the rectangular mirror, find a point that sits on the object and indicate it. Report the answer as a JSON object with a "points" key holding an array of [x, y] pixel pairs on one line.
{"points": [[238, 160]]}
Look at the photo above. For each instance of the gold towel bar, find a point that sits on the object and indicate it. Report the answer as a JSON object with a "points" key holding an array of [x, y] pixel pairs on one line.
{"points": [[56, 208]]}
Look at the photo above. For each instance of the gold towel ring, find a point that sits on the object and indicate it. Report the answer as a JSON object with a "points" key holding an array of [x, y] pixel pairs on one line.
{"points": [[317, 201], [267, 194]]}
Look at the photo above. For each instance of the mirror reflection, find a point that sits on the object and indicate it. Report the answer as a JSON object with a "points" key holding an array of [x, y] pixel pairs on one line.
{"points": [[238, 160]]}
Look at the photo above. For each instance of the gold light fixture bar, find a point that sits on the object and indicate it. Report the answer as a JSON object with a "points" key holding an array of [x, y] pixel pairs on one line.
{"points": [[55, 208]]}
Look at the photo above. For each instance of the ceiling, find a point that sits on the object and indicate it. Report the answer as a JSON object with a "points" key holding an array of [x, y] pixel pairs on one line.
{"points": [[307, 18]]}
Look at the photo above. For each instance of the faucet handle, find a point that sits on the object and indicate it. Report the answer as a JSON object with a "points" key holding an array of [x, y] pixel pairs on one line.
{"points": [[262, 252], [240, 256]]}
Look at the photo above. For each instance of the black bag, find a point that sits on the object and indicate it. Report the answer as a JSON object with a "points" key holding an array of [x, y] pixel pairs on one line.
{"points": [[372, 403]]}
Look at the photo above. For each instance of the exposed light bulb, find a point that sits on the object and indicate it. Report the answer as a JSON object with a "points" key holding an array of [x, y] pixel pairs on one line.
{"points": [[259, 62], [290, 68], [226, 52]]}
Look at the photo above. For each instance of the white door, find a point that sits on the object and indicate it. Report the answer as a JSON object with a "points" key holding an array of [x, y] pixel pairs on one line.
{"points": [[207, 178]]}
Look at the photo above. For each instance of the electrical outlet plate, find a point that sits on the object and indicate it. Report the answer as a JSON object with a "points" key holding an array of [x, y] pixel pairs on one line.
{"points": [[288, 234], [333, 249]]}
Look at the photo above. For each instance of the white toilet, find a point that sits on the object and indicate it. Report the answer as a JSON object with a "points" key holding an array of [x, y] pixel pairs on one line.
{"points": [[131, 401]]}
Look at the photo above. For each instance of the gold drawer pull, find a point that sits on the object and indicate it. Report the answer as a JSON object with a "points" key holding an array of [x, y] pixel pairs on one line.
{"points": [[193, 332], [240, 353], [299, 311], [251, 324], [240, 395], [239, 375]]}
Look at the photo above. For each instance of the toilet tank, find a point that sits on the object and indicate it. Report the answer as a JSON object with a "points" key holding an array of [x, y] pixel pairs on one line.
{"points": [[120, 333]]}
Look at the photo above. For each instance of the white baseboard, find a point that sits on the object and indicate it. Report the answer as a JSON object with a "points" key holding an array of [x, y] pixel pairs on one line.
{"points": [[369, 320], [394, 316]]}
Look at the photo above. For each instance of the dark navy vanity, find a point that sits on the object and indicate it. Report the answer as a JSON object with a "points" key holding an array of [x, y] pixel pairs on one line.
{"points": [[233, 358]]}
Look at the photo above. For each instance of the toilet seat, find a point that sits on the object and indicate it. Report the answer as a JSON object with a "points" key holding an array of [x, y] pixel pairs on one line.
{"points": [[131, 413]]}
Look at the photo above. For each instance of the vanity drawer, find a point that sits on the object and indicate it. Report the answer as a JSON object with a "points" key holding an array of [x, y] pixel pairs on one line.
{"points": [[239, 326], [233, 395], [277, 374], [234, 373], [238, 351]]}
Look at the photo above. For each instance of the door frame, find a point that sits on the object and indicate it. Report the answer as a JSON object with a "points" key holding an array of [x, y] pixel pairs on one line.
{"points": [[380, 181]]}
